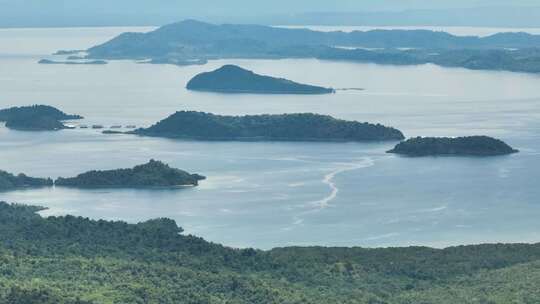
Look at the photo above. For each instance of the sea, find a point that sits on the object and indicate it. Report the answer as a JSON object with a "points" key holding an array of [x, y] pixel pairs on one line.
{"points": [[275, 194]]}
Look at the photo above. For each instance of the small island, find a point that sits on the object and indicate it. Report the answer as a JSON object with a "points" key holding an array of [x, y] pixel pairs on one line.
{"points": [[152, 174], [465, 146], [35, 118], [91, 62], [234, 79], [175, 61], [68, 52], [9, 181], [284, 127]]}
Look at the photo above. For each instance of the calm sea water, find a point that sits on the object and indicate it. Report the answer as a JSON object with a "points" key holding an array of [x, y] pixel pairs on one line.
{"points": [[276, 194]]}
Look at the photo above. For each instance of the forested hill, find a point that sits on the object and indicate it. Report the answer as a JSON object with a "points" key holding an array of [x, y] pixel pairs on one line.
{"points": [[77, 260]]}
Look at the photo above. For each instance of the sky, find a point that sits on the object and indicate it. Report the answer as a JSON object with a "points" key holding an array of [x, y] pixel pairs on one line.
{"points": [[142, 12]]}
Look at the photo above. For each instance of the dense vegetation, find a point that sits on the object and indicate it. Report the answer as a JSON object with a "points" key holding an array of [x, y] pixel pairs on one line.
{"points": [[152, 174], [77, 260], [9, 181], [472, 145], [286, 127], [191, 40], [35, 118], [234, 79]]}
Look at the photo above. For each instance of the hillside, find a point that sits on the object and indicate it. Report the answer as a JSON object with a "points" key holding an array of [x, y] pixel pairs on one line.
{"points": [[72, 260]]}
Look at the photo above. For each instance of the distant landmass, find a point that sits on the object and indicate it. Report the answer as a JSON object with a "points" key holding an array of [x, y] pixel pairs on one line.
{"points": [[152, 174], [285, 127], [71, 62], [193, 40], [472, 146], [35, 118], [9, 181], [234, 79]]}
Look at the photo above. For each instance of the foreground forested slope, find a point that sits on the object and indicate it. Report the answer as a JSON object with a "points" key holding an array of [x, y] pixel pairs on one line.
{"points": [[77, 260]]}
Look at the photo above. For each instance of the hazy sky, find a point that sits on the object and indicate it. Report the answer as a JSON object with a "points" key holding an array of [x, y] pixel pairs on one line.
{"points": [[31, 12], [241, 6]]}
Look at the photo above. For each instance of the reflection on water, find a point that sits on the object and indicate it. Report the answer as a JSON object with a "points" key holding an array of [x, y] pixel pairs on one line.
{"points": [[276, 194]]}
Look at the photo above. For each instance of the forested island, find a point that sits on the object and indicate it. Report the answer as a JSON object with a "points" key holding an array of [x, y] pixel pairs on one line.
{"points": [[284, 127], [472, 146], [75, 260], [152, 174], [9, 181], [234, 79], [35, 118], [193, 40]]}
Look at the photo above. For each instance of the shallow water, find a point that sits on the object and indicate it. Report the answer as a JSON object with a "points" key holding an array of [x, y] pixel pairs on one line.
{"points": [[268, 194]]}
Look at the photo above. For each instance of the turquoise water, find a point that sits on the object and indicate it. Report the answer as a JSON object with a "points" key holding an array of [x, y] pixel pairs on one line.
{"points": [[276, 194]]}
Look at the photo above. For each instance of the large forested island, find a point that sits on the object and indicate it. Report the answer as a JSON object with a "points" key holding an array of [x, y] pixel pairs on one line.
{"points": [[9, 181], [192, 40], [152, 174], [35, 118], [285, 127], [74, 260], [472, 146], [234, 79]]}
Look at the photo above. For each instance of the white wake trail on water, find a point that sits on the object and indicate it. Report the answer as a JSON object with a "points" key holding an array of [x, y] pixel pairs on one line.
{"points": [[329, 180]]}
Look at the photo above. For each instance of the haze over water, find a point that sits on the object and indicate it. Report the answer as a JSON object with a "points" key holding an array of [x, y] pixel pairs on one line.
{"points": [[268, 194]]}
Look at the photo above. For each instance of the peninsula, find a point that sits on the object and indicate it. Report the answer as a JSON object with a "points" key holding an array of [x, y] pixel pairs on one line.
{"points": [[284, 127], [152, 174], [472, 146], [234, 79], [35, 118], [9, 181]]}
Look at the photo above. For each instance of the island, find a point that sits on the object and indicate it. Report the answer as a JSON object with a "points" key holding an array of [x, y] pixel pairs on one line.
{"points": [[467, 146], [175, 61], [9, 181], [151, 174], [68, 52], [284, 127], [71, 62], [234, 79], [195, 41], [35, 118]]}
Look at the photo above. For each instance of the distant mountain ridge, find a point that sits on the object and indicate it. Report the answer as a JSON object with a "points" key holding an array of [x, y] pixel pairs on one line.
{"points": [[195, 41], [191, 38]]}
